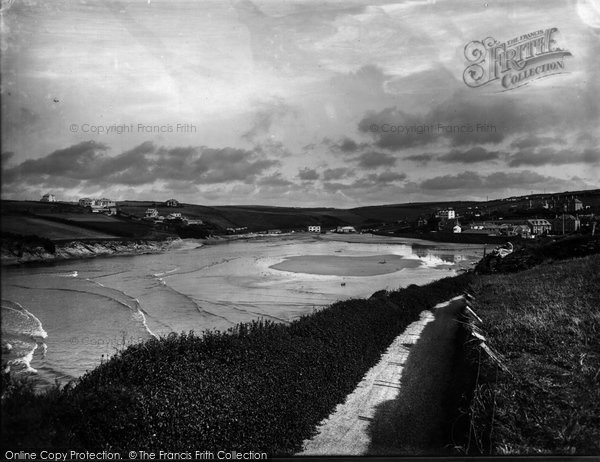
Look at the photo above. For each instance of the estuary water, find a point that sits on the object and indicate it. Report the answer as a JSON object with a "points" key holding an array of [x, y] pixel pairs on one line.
{"points": [[61, 319]]}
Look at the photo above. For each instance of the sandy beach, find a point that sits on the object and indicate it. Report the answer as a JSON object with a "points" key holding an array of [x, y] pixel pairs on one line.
{"points": [[346, 266]]}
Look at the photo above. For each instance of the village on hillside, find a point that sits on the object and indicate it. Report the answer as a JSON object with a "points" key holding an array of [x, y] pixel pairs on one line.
{"points": [[521, 217]]}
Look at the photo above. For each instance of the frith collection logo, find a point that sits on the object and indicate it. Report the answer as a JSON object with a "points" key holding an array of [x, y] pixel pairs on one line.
{"points": [[515, 62]]}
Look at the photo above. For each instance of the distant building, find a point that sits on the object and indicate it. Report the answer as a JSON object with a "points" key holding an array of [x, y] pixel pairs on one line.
{"points": [[573, 205], [110, 210], [274, 231], [521, 230], [174, 216], [314, 229], [565, 224], [194, 221], [48, 198], [345, 229], [86, 202], [102, 205], [104, 202], [151, 213], [456, 228], [486, 228], [172, 203], [422, 222], [236, 230], [539, 226], [446, 214]]}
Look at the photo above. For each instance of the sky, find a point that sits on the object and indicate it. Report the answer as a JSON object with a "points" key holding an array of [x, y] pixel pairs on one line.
{"points": [[291, 103]]}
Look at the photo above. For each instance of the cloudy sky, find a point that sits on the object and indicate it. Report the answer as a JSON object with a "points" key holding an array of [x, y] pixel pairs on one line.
{"points": [[290, 103]]}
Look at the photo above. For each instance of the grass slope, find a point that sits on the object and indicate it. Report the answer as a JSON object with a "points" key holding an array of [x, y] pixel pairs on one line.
{"points": [[545, 325]]}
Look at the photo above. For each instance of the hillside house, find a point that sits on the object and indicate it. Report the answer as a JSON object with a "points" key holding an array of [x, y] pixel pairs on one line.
{"points": [[565, 224], [446, 214], [520, 230], [314, 229], [48, 198], [86, 202], [573, 205], [172, 203], [151, 214], [102, 205], [345, 229], [539, 226], [174, 216], [486, 228], [104, 202]]}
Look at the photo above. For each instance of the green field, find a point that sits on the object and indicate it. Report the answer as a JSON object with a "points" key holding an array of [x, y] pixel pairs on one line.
{"points": [[48, 229]]}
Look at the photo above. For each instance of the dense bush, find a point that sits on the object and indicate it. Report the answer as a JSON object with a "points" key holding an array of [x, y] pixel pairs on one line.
{"points": [[259, 386], [17, 243]]}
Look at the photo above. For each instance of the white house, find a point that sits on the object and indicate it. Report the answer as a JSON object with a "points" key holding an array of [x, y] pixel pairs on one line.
{"points": [[345, 229], [104, 202], [151, 213], [174, 216], [314, 229], [48, 198], [447, 214], [172, 203], [457, 228], [539, 226]]}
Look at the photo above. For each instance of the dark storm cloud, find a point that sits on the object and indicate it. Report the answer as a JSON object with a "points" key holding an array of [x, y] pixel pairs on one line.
{"points": [[308, 174], [386, 177], [89, 163], [274, 179], [344, 145], [424, 158], [5, 157], [336, 173], [470, 156], [80, 161], [470, 180], [535, 141], [469, 119], [550, 156], [372, 181], [391, 129], [373, 159], [347, 145]]}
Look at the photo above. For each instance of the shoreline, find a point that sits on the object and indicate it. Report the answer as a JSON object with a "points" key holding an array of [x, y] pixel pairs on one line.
{"points": [[79, 249]]}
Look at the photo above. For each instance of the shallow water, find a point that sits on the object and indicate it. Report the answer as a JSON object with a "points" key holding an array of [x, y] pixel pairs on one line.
{"points": [[61, 319]]}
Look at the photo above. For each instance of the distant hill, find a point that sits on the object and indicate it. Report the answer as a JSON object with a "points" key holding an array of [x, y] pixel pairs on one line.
{"points": [[260, 217]]}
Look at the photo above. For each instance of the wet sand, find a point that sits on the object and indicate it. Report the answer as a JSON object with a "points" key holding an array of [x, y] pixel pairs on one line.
{"points": [[372, 265]]}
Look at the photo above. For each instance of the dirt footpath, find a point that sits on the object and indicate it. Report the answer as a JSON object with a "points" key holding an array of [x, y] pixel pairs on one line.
{"points": [[397, 408]]}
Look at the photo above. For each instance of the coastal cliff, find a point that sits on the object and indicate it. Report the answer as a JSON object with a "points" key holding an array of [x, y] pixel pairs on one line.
{"points": [[15, 252]]}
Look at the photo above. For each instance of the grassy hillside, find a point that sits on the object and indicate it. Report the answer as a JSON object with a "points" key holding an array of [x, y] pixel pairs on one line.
{"points": [[260, 218], [541, 393], [60, 221]]}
